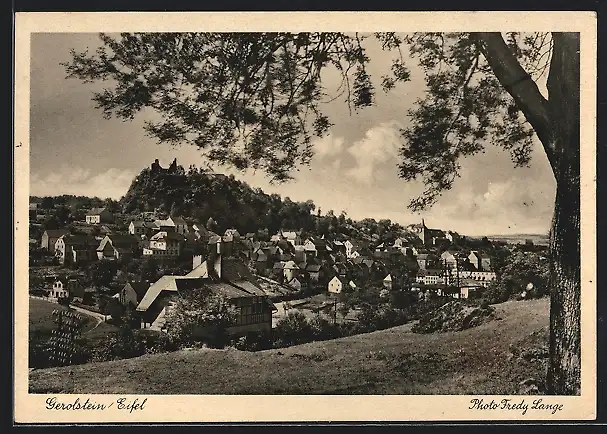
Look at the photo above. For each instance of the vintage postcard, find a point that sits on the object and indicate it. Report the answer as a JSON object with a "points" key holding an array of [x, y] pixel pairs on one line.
{"points": [[291, 217]]}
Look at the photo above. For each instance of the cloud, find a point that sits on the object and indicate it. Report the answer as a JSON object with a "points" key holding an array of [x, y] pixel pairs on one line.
{"points": [[510, 206], [328, 146], [379, 146], [112, 183]]}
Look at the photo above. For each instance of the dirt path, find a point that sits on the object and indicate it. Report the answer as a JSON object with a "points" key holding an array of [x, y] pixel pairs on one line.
{"points": [[97, 316]]}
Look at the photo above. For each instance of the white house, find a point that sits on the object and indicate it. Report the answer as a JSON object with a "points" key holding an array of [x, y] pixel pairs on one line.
{"points": [[59, 289], [140, 227], [484, 278], [388, 281], [99, 215], [470, 288], [449, 258], [164, 244], [310, 247], [336, 285], [291, 270], [350, 249]]}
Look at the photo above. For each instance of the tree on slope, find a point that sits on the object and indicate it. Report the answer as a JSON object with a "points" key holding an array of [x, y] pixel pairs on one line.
{"points": [[255, 100]]}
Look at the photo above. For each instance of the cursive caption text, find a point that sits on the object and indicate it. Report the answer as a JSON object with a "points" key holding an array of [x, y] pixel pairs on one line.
{"points": [[523, 406], [123, 404]]}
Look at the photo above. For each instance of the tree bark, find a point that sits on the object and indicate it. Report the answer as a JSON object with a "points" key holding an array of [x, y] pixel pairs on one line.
{"points": [[556, 121], [565, 255]]}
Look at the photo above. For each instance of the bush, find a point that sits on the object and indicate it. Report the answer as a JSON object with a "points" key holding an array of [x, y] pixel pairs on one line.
{"points": [[155, 342], [200, 316], [497, 293], [64, 301], [454, 316], [351, 328], [40, 351], [321, 329], [293, 329], [253, 341], [123, 344]]}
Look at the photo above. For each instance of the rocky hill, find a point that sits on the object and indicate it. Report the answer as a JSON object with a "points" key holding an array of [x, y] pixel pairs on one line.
{"points": [[199, 194]]}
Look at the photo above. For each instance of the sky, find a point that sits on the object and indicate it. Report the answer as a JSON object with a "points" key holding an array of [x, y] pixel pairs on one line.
{"points": [[74, 150]]}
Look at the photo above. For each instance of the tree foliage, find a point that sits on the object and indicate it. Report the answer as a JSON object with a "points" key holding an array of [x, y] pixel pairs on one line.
{"points": [[219, 201], [252, 100], [200, 315], [101, 273], [255, 100]]}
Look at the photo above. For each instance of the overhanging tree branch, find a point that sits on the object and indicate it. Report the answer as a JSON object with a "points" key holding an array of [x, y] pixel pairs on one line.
{"points": [[519, 84]]}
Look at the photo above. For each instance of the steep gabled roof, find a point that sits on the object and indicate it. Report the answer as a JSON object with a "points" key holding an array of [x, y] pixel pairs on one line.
{"points": [[166, 222], [56, 233], [291, 265], [79, 240], [169, 284], [178, 220], [140, 288], [169, 236], [120, 240]]}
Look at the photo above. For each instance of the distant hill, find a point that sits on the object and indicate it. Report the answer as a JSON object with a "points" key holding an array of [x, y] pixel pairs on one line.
{"points": [[198, 194], [537, 239]]}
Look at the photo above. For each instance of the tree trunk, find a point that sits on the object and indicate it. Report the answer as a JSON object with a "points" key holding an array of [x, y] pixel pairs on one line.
{"points": [[556, 121], [565, 285]]}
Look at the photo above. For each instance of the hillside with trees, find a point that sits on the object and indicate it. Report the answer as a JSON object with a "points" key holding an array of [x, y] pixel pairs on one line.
{"points": [[199, 195]]}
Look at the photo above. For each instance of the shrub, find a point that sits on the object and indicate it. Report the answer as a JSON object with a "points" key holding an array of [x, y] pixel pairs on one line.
{"points": [[40, 351], [321, 329], [155, 342], [64, 301], [120, 345], [497, 293], [293, 329], [254, 341], [200, 316], [454, 316], [351, 328]]}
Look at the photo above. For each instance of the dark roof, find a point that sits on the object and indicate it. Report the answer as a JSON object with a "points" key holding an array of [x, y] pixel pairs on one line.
{"points": [[119, 240], [56, 233], [140, 288], [214, 239], [313, 268], [178, 220], [79, 240]]}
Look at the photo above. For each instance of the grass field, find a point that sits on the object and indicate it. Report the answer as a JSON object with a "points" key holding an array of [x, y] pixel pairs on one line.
{"points": [[41, 316], [392, 361], [41, 319]]}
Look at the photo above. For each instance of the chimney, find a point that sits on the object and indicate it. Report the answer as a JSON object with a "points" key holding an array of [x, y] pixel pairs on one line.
{"points": [[217, 266], [196, 261]]}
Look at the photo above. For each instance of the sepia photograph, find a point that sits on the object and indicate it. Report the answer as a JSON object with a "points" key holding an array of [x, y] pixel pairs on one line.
{"points": [[384, 210]]}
